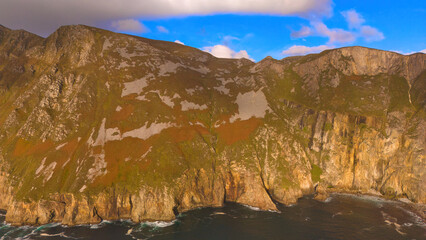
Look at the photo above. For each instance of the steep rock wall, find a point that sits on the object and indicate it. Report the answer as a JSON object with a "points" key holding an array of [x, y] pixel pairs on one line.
{"points": [[96, 125]]}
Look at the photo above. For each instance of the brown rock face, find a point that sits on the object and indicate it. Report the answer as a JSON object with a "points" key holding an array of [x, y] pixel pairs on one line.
{"points": [[202, 189], [96, 125], [247, 188]]}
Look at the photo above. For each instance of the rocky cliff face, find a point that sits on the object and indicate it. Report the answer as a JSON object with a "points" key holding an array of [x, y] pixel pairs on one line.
{"points": [[97, 125]]}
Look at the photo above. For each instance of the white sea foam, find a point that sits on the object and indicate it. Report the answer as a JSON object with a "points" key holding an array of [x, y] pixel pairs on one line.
{"points": [[95, 226], [62, 234], [160, 224], [99, 225], [258, 209], [125, 221], [337, 214], [416, 219], [252, 208], [389, 220], [218, 213], [375, 199], [34, 230]]}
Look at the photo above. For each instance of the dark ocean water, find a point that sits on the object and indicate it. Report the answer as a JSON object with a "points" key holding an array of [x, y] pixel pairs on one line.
{"points": [[341, 217]]}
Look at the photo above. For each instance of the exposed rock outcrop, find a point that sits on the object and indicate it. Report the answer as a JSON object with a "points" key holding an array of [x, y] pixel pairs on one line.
{"points": [[96, 125]]}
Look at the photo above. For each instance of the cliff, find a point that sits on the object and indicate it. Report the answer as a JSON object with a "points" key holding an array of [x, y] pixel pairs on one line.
{"points": [[98, 125]]}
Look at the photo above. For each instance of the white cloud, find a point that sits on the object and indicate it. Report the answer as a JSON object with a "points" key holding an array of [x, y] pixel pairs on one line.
{"points": [[129, 25], [335, 35], [162, 29], [222, 51], [177, 41], [228, 39], [249, 35], [303, 32], [339, 35], [242, 54], [354, 19], [371, 34], [409, 53], [44, 16], [298, 50]]}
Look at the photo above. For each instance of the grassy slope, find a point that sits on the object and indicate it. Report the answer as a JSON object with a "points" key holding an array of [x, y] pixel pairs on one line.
{"points": [[132, 162]]}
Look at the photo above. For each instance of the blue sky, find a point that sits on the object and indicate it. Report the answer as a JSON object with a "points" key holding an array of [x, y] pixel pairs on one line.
{"points": [[240, 28], [402, 23]]}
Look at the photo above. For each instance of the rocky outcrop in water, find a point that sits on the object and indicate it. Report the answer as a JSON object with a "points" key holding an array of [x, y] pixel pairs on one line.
{"points": [[96, 125]]}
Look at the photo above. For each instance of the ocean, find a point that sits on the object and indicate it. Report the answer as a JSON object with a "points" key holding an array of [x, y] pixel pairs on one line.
{"points": [[342, 216]]}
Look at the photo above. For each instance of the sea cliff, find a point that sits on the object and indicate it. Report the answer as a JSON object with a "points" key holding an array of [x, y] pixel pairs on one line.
{"points": [[96, 125]]}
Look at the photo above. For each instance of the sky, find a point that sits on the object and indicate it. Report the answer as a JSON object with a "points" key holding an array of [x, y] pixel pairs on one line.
{"points": [[251, 29]]}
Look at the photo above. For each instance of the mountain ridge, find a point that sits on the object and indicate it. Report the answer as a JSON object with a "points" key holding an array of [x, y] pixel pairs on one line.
{"points": [[82, 26]]}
